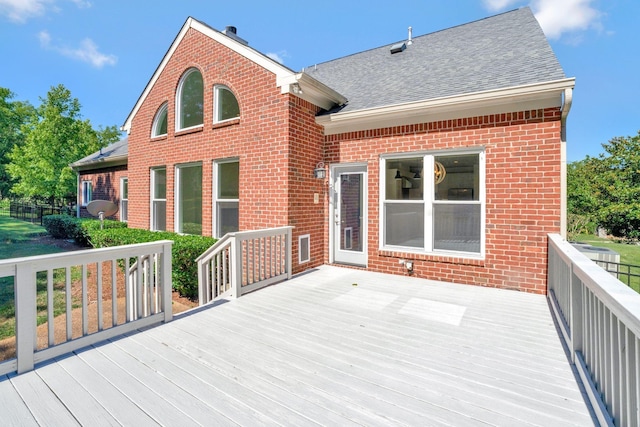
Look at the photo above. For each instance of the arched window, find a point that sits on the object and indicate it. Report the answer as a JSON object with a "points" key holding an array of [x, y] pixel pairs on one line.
{"points": [[160, 122], [225, 104], [190, 100]]}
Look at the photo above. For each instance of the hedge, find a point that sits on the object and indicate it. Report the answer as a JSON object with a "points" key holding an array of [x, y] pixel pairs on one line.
{"points": [[61, 226], [186, 248], [79, 229]]}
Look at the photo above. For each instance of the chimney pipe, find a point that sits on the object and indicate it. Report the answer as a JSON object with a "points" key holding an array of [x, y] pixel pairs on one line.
{"points": [[409, 41]]}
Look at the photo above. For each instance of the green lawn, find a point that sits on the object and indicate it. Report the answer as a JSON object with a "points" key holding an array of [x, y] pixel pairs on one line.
{"points": [[19, 239], [629, 254]]}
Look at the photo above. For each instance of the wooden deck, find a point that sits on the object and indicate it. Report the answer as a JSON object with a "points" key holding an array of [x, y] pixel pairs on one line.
{"points": [[319, 350]]}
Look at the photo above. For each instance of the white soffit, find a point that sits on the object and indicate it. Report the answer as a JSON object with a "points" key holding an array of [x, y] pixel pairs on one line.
{"points": [[520, 98]]}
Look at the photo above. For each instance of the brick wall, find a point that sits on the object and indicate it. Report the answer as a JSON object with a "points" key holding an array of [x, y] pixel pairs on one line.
{"points": [[522, 155], [105, 186], [278, 144], [259, 139]]}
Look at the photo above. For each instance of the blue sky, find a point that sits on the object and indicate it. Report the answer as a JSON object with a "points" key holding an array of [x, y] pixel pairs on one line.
{"points": [[105, 51]]}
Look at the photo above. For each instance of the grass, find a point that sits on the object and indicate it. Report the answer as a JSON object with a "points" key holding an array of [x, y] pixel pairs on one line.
{"points": [[629, 254], [19, 239]]}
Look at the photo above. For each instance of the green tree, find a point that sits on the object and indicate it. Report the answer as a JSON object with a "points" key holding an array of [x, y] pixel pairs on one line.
{"points": [[13, 115], [56, 137], [607, 187]]}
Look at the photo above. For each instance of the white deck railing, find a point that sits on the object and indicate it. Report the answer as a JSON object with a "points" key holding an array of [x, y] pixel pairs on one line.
{"points": [[599, 317], [147, 296], [244, 261]]}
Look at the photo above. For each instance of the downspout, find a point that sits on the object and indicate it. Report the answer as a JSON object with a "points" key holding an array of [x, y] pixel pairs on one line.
{"points": [[566, 107], [77, 194]]}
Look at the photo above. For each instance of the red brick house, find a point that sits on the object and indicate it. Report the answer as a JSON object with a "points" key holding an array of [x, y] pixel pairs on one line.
{"points": [[443, 154]]}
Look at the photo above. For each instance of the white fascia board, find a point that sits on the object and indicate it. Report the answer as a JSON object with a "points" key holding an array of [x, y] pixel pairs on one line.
{"points": [[311, 90], [281, 72], [519, 98], [100, 163]]}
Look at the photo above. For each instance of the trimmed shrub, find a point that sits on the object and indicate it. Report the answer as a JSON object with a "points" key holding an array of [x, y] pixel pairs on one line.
{"points": [[185, 250], [61, 226], [86, 227]]}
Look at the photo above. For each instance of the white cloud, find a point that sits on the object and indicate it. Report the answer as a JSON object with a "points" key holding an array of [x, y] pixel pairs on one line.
{"points": [[559, 17], [45, 39], [275, 57], [556, 17], [21, 10], [495, 5], [82, 4], [87, 52]]}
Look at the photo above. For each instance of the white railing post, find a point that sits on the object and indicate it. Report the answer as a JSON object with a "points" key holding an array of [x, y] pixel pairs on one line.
{"points": [[166, 280], [236, 268], [289, 250], [25, 303], [575, 313]]}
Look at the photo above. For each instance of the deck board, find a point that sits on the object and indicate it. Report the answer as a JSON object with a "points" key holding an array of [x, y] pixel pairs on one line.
{"points": [[331, 347]]}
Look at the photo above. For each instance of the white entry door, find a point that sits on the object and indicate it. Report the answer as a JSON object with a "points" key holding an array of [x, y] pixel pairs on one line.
{"points": [[349, 215]]}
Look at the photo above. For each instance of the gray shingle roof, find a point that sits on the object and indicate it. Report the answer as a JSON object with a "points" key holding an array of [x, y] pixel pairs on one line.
{"points": [[502, 51], [113, 152]]}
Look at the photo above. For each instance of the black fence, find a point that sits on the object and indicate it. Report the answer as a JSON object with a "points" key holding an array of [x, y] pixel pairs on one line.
{"points": [[31, 212], [628, 274]]}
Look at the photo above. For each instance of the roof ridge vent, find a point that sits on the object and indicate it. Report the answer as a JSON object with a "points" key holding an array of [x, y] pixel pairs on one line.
{"points": [[398, 47]]}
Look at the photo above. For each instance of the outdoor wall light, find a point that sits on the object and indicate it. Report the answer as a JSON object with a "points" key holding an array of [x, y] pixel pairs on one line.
{"points": [[319, 172]]}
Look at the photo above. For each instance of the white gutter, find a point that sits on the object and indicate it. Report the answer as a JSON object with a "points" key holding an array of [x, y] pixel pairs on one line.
{"points": [[566, 107], [306, 87], [533, 96]]}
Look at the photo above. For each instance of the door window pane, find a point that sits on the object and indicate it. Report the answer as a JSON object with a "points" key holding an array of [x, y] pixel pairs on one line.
{"points": [[351, 212]]}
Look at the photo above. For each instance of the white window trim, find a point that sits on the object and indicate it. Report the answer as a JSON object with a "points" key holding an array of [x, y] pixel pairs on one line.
{"points": [[87, 194], [428, 202], [164, 108], [216, 106], [122, 198], [177, 218], [152, 198], [179, 98], [214, 192]]}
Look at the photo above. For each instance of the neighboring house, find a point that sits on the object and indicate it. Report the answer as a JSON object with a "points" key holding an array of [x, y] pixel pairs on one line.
{"points": [[444, 154]]}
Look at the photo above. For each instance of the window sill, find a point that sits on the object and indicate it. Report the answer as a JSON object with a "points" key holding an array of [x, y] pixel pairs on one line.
{"points": [[225, 123], [462, 258], [187, 131], [159, 138]]}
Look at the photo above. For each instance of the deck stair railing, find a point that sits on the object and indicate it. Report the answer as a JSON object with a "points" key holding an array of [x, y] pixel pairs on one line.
{"points": [[244, 261], [599, 317], [142, 270]]}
